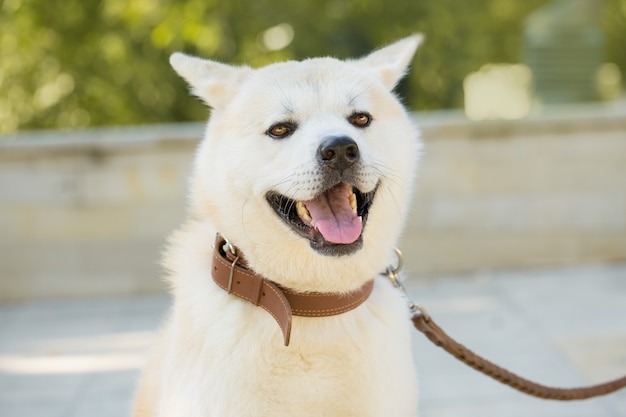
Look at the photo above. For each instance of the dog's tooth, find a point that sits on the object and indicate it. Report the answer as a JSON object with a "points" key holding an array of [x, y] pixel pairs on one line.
{"points": [[353, 202], [303, 212]]}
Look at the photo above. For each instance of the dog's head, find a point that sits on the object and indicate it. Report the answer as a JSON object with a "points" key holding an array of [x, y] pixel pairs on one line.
{"points": [[306, 166]]}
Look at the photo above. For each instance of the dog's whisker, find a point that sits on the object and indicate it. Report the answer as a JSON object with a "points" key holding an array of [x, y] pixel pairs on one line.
{"points": [[397, 204], [243, 217], [387, 175]]}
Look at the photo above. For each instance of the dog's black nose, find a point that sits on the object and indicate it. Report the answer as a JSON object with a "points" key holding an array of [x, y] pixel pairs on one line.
{"points": [[338, 152]]}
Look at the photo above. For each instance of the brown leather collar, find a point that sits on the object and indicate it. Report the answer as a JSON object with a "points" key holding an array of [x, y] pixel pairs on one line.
{"points": [[230, 272]]}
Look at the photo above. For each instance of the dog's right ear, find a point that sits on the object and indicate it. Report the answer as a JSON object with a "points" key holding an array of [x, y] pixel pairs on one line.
{"points": [[215, 83], [391, 62]]}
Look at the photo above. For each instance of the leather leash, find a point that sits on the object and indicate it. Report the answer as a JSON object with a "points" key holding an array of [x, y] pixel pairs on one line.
{"points": [[425, 324], [231, 273], [435, 334]]}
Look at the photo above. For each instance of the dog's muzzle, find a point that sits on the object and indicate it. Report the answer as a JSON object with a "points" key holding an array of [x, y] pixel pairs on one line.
{"points": [[334, 219]]}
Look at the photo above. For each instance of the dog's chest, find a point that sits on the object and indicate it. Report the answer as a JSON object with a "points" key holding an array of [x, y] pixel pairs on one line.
{"points": [[357, 364]]}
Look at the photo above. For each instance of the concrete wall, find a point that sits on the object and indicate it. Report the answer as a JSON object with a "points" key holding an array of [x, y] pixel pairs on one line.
{"points": [[546, 191], [87, 212]]}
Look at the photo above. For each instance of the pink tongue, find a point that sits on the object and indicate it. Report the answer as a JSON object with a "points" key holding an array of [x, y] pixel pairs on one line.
{"points": [[333, 216]]}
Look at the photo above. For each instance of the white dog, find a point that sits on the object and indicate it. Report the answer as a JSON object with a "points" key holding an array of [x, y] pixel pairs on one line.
{"points": [[306, 169]]}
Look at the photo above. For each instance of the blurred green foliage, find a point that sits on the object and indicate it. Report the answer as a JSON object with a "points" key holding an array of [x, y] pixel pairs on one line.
{"points": [[76, 63]]}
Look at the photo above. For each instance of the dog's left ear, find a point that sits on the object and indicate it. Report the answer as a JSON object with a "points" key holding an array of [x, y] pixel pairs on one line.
{"points": [[212, 81], [391, 62]]}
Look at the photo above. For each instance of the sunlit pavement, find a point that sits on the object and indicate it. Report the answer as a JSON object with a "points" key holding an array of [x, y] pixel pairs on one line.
{"points": [[566, 327]]}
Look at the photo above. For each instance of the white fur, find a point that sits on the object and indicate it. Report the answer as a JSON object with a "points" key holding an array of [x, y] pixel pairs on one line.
{"points": [[221, 356]]}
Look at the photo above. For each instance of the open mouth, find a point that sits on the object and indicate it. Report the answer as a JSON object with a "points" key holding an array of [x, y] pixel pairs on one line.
{"points": [[333, 221]]}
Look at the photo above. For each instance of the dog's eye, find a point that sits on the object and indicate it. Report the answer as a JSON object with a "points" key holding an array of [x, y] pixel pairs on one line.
{"points": [[281, 130], [360, 119]]}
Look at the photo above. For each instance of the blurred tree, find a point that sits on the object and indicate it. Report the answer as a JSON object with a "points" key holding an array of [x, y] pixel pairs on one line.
{"points": [[76, 63], [614, 24]]}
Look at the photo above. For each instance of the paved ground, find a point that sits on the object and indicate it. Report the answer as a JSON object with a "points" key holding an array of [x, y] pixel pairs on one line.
{"points": [[79, 358]]}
